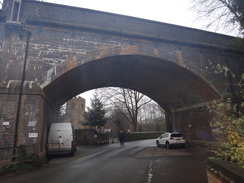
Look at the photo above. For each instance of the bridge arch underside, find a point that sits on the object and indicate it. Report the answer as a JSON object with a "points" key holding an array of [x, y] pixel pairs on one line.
{"points": [[170, 85]]}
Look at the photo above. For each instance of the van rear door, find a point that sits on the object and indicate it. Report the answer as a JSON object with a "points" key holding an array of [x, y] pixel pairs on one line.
{"points": [[60, 139], [54, 140], [65, 139]]}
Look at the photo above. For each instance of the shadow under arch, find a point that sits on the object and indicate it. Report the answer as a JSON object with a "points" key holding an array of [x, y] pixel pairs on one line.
{"points": [[169, 84]]}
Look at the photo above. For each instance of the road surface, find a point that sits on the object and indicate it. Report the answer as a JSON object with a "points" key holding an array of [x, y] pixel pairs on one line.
{"points": [[136, 162]]}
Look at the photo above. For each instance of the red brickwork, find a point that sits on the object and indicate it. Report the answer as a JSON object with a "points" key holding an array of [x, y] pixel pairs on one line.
{"points": [[31, 121], [8, 106], [194, 124], [214, 176], [74, 50], [29, 118], [219, 171]]}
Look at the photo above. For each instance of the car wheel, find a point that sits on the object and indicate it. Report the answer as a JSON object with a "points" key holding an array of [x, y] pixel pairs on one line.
{"points": [[167, 145], [158, 145]]}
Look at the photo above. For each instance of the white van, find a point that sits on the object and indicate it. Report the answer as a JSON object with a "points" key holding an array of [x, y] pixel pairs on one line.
{"points": [[61, 139]]}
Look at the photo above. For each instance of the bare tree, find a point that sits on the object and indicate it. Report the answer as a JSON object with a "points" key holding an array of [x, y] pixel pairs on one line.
{"points": [[127, 101], [225, 14], [152, 118], [151, 112], [119, 120]]}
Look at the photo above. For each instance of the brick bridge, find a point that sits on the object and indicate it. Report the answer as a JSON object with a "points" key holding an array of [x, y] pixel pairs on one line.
{"points": [[50, 53]]}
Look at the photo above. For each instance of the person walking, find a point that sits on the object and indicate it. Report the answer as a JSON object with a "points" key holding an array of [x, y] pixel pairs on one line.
{"points": [[121, 138]]}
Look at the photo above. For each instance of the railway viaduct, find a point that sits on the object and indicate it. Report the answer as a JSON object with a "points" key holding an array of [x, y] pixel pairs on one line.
{"points": [[50, 53]]}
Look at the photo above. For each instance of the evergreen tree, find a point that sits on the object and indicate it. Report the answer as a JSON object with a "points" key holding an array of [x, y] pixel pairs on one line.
{"points": [[95, 115]]}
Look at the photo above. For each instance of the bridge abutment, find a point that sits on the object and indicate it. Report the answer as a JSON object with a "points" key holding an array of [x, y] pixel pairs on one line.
{"points": [[193, 123], [24, 116]]}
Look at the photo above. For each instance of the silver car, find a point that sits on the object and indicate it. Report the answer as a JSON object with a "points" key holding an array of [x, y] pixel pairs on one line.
{"points": [[170, 139]]}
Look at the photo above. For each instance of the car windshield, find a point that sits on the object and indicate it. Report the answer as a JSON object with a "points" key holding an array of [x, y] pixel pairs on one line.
{"points": [[176, 135]]}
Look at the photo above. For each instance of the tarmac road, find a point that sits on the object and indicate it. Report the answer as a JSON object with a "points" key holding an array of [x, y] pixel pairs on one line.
{"points": [[136, 162]]}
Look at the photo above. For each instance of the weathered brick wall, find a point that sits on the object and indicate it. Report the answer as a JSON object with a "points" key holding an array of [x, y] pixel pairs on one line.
{"points": [[29, 117], [31, 121], [8, 106], [193, 124], [63, 39], [12, 57]]}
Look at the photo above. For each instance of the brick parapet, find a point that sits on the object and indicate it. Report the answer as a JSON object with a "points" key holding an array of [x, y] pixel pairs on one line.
{"points": [[96, 20], [219, 171]]}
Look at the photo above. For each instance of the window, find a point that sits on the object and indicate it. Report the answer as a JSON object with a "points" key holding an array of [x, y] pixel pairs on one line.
{"points": [[15, 10], [165, 135], [176, 135], [1, 4]]}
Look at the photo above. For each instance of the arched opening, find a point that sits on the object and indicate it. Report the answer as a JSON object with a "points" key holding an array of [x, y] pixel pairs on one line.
{"points": [[126, 110], [177, 90], [169, 84]]}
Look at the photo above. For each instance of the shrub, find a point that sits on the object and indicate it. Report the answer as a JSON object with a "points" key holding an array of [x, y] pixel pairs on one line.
{"points": [[228, 126]]}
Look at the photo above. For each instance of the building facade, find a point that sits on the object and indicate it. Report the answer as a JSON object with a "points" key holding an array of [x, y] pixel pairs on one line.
{"points": [[75, 111]]}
